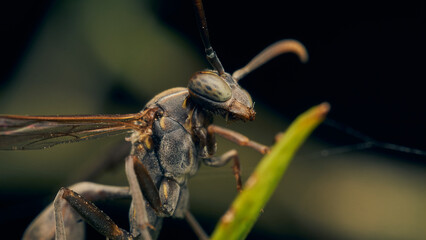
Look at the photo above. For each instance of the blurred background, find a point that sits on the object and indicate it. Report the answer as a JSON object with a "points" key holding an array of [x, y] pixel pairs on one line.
{"points": [[347, 182]]}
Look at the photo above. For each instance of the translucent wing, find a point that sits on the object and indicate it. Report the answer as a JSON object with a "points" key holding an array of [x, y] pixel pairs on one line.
{"points": [[38, 132]]}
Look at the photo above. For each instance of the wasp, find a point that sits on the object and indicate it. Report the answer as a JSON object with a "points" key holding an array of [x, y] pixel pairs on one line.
{"points": [[172, 135]]}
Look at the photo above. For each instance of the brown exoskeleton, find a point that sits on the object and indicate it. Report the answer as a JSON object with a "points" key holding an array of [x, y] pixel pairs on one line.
{"points": [[170, 138]]}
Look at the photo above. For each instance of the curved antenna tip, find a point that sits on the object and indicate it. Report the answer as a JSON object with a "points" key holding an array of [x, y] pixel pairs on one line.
{"points": [[275, 49]]}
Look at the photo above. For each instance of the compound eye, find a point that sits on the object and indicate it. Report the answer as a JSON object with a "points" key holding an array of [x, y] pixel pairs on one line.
{"points": [[249, 99], [210, 86]]}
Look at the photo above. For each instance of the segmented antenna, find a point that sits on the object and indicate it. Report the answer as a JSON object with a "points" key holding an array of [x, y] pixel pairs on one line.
{"points": [[204, 32]]}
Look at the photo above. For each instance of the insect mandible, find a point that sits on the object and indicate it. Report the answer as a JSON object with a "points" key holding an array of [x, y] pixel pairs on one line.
{"points": [[170, 138]]}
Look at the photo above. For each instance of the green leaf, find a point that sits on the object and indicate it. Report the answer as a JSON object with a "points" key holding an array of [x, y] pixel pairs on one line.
{"points": [[237, 222]]}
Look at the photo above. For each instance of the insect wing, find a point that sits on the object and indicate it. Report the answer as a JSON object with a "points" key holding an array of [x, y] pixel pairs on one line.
{"points": [[38, 132]]}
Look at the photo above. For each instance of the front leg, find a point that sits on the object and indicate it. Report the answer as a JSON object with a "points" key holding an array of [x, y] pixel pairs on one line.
{"points": [[233, 136]]}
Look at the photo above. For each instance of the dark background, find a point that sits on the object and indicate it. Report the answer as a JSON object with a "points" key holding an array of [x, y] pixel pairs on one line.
{"points": [[366, 59]]}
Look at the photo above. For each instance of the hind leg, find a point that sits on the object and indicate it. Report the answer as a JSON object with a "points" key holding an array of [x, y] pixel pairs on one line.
{"points": [[43, 227]]}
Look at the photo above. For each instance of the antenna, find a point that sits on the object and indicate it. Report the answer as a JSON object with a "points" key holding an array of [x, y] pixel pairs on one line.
{"points": [[278, 48], [204, 32]]}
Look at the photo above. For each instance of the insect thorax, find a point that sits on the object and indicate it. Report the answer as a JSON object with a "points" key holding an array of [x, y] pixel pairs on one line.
{"points": [[175, 142]]}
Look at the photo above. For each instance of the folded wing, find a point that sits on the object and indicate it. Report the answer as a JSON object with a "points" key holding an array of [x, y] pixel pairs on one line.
{"points": [[38, 132]]}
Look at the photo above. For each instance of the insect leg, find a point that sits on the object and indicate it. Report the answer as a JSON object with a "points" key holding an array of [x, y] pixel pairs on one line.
{"points": [[224, 159], [196, 226], [237, 138], [89, 212], [163, 201], [138, 215], [43, 227]]}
